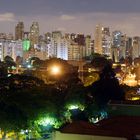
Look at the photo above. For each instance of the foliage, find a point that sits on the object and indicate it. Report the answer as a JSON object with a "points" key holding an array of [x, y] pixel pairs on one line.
{"points": [[130, 92], [27, 103], [90, 79], [106, 88], [100, 62], [24, 101], [9, 61], [3, 70], [68, 74], [36, 62]]}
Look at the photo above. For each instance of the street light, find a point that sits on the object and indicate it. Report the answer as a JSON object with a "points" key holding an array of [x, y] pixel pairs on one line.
{"points": [[55, 70]]}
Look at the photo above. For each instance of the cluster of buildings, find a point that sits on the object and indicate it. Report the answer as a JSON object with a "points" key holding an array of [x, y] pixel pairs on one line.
{"points": [[115, 45]]}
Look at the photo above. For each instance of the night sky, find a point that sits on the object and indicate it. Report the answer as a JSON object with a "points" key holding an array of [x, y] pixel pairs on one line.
{"points": [[79, 16]]}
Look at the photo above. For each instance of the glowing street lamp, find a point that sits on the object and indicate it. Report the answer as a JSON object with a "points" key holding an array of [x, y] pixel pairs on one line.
{"points": [[55, 70]]}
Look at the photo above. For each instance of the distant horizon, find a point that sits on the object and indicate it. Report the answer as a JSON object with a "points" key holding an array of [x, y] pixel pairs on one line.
{"points": [[70, 16]]}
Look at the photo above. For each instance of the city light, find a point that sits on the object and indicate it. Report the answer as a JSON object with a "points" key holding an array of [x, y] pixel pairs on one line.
{"points": [[55, 70], [130, 80], [75, 106], [29, 66]]}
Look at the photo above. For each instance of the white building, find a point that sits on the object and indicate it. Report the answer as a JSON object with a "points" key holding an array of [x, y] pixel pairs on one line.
{"points": [[59, 45], [10, 48]]}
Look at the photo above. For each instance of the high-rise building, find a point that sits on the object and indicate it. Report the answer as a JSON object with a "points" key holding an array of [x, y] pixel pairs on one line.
{"points": [[122, 49], [34, 34], [116, 38], [80, 39], [74, 52], [19, 31], [59, 45], [106, 41], [88, 45], [56, 42], [129, 47], [48, 42], [98, 40], [10, 48], [116, 45], [136, 47], [48, 37]]}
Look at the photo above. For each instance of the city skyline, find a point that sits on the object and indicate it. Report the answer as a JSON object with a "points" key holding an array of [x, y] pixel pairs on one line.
{"points": [[71, 16]]}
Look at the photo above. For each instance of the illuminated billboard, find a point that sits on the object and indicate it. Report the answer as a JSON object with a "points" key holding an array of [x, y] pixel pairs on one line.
{"points": [[26, 45]]}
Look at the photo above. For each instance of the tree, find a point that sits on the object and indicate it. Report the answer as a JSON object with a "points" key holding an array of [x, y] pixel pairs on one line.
{"points": [[68, 74], [3, 70], [9, 62], [36, 62], [75, 102], [11, 118], [106, 88], [100, 62], [30, 109], [22, 81], [91, 78]]}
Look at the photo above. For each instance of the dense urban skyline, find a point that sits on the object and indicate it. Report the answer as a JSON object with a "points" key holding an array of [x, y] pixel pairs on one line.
{"points": [[71, 16]]}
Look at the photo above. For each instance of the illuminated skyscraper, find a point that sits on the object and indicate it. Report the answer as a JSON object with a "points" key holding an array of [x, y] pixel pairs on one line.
{"points": [[59, 45], [48, 37], [129, 47], [74, 51], [116, 38], [136, 47], [106, 41], [19, 31], [88, 45], [98, 40], [116, 45], [56, 42], [34, 33], [48, 42], [122, 49]]}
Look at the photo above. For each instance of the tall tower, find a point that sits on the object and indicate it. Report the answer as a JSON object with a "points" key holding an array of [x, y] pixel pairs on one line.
{"points": [[116, 45], [129, 47], [19, 31], [59, 45], [56, 42], [88, 45], [98, 39], [136, 47], [106, 41], [34, 33]]}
